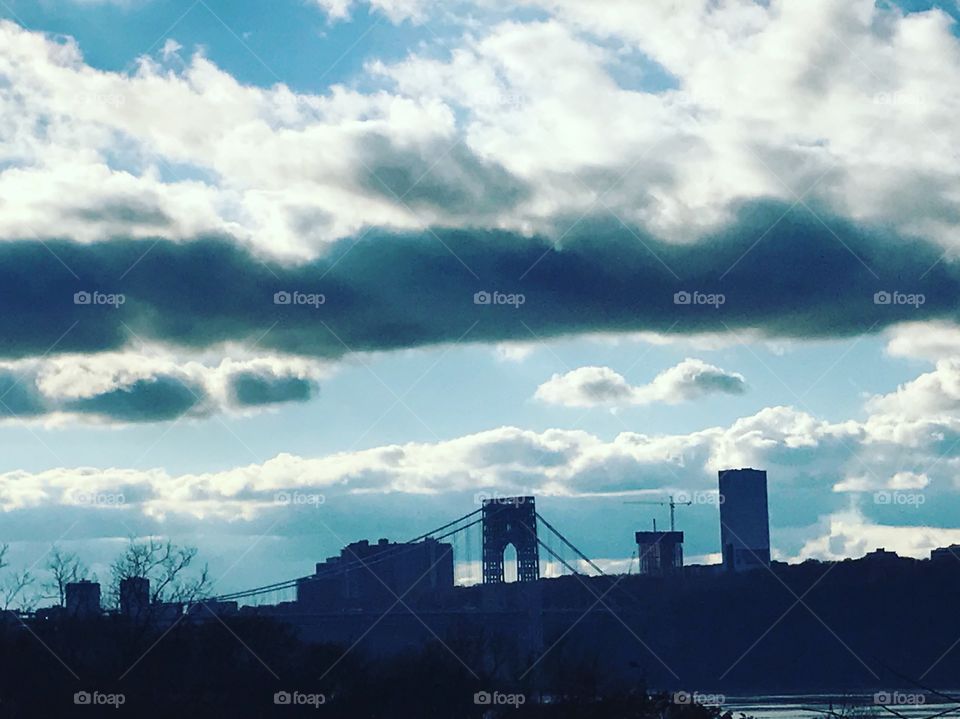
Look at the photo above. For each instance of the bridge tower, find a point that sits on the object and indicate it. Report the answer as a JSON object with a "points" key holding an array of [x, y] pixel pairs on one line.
{"points": [[510, 520]]}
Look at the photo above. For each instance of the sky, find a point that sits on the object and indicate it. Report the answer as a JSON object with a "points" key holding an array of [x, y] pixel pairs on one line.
{"points": [[275, 277]]}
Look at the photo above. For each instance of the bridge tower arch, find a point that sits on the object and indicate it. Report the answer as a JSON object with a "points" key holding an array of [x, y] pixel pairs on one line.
{"points": [[506, 521]]}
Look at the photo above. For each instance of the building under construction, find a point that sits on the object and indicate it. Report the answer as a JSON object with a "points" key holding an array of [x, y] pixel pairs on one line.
{"points": [[659, 553]]}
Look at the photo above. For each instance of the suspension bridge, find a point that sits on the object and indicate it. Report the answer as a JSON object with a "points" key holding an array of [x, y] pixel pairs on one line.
{"points": [[480, 541]]}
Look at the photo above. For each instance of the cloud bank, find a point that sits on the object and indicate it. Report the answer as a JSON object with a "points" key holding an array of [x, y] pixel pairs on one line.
{"points": [[798, 282], [126, 388], [599, 198], [602, 386], [808, 460]]}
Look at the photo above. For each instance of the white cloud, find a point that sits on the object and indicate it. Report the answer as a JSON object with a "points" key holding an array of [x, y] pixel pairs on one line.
{"points": [[899, 481], [336, 9], [804, 457], [514, 351], [602, 386], [123, 387], [170, 49], [700, 342], [924, 340], [175, 150], [838, 95], [396, 10], [909, 480], [850, 534], [935, 393]]}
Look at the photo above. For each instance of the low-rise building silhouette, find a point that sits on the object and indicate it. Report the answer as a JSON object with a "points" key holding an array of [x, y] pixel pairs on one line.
{"points": [[134, 597], [83, 598], [371, 575], [949, 554], [211, 608]]}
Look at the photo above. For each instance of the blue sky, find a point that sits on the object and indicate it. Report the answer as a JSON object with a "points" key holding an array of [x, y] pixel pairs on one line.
{"points": [[397, 157], [472, 388], [295, 42]]}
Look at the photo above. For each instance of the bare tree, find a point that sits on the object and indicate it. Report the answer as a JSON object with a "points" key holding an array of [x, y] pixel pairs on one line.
{"points": [[64, 568], [166, 565], [14, 590]]}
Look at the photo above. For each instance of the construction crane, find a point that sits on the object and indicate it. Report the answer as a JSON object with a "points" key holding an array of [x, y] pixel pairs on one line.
{"points": [[671, 503]]}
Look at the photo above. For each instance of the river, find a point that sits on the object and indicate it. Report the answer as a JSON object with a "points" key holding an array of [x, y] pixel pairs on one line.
{"points": [[903, 703]]}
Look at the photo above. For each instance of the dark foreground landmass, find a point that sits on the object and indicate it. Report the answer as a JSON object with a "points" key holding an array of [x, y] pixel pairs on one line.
{"points": [[256, 667], [626, 646]]}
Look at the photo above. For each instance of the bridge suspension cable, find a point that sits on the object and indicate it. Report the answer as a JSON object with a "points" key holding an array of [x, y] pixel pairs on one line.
{"points": [[346, 566], [556, 556], [563, 539], [442, 532], [448, 524]]}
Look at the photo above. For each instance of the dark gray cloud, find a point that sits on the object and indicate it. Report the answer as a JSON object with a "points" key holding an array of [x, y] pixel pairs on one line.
{"points": [[252, 389], [158, 397], [18, 396], [796, 277], [606, 389], [153, 399], [710, 382], [460, 185], [147, 400], [131, 213]]}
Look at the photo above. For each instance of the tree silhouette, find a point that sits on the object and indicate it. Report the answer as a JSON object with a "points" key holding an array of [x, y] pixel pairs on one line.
{"points": [[63, 568], [14, 587], [167, 567]]}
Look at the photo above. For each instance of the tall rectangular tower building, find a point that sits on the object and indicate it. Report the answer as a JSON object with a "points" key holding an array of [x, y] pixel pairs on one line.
{"points": [[744, 520]]}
